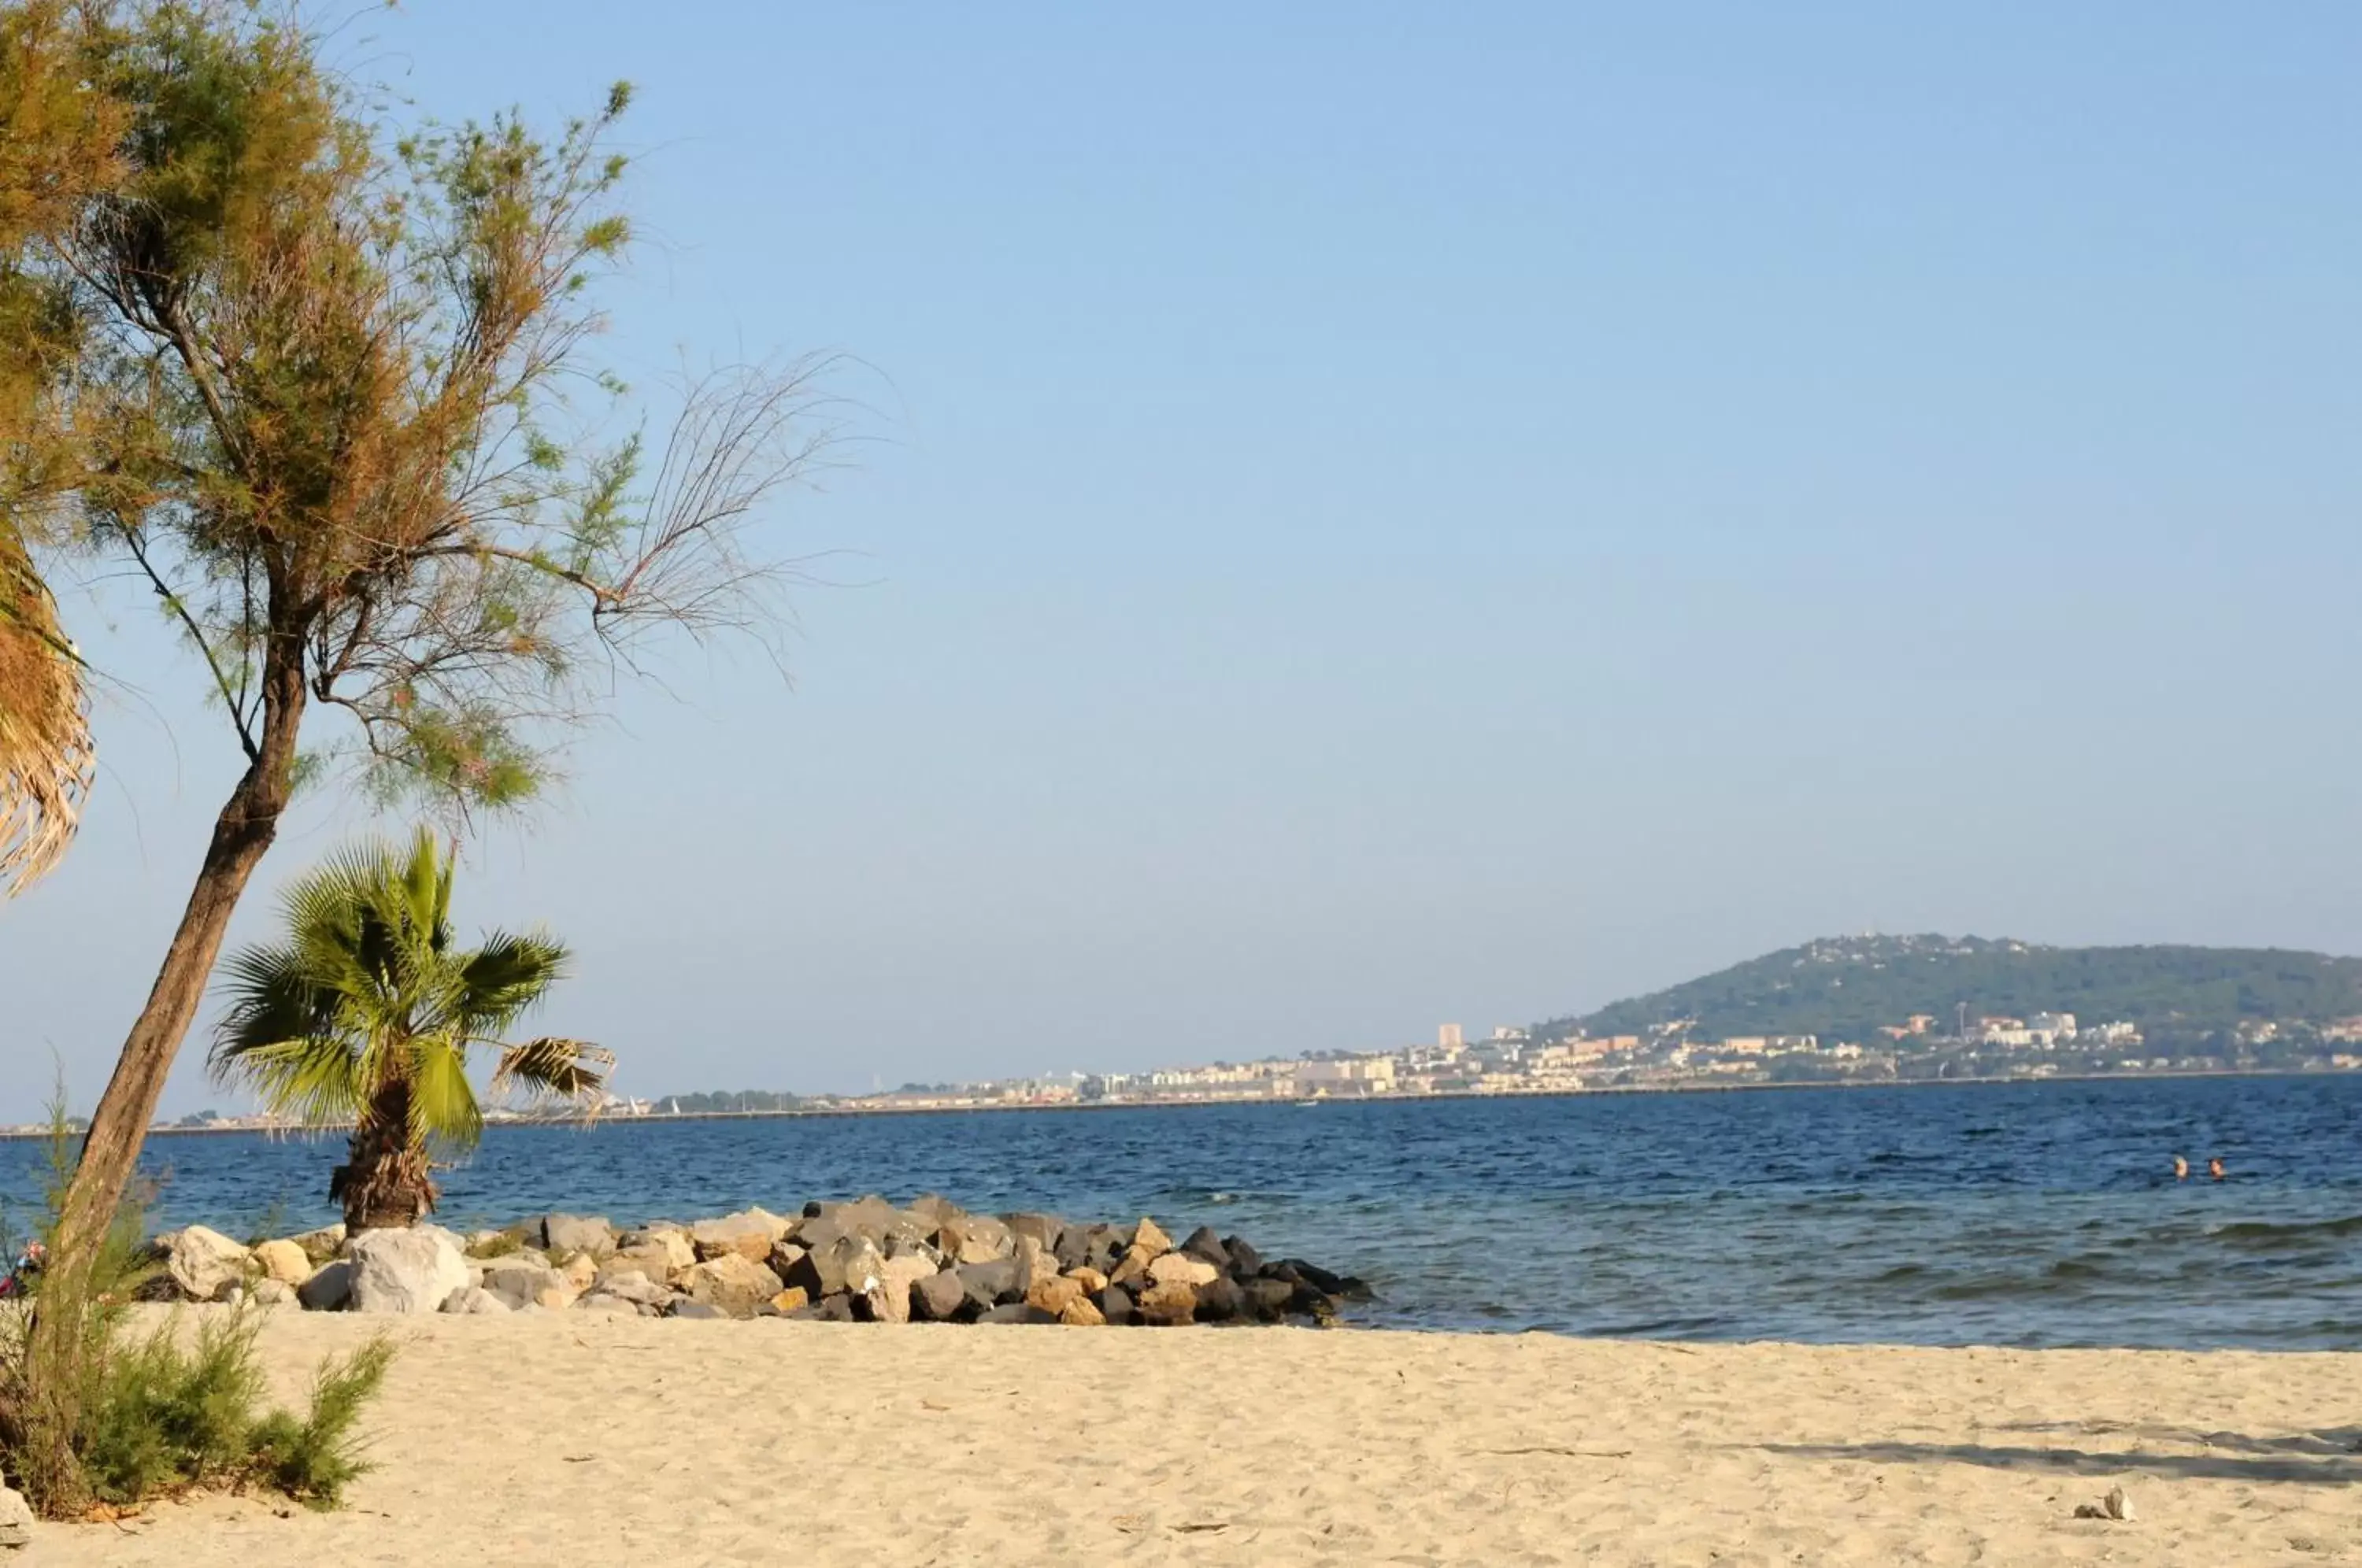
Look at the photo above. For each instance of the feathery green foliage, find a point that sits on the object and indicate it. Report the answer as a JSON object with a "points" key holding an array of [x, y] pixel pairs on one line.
{"points": [[366, 1010], [162, 1412]]}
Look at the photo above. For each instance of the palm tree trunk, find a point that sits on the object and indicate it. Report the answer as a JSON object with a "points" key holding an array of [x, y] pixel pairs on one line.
{"points": [[385, 1186]]}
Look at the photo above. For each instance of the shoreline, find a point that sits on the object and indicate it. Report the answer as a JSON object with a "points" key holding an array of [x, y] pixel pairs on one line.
{"points": [[575, 1123]]}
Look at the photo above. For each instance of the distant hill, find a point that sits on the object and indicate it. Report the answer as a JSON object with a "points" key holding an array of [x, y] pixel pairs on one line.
{"points": [[1845, 987]]}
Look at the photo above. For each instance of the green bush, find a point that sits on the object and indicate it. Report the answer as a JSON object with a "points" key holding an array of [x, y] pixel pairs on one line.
{"points": [[127, 1416], [317, 1458]]}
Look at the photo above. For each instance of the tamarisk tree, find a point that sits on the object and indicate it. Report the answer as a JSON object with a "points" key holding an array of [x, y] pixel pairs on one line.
{"points": [[322, 402]]}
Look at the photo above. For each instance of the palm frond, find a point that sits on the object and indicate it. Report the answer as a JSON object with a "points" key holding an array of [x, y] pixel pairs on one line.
{"points": [[571, 1070], [308, 1077], [443, 1108], [506, 978], [272, 1000], [46, 756]]}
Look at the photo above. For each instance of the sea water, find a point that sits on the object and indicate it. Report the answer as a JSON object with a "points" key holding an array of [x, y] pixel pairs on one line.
{"points": [[2027, 1214]]}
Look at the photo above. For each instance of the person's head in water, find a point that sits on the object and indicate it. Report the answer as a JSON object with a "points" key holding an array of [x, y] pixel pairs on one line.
{"points": [[2214, 1167], [2180, 1168]]}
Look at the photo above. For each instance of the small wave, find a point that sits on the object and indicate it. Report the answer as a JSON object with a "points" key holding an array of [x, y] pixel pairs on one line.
{"points": [[2263, 1233], [1900, 1272]]}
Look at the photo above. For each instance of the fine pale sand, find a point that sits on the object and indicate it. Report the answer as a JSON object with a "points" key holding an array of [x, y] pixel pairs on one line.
{"points": [[572, 1439]]}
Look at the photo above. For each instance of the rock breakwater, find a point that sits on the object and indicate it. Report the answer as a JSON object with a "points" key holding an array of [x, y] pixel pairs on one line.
{"points": [[868, 1260]]}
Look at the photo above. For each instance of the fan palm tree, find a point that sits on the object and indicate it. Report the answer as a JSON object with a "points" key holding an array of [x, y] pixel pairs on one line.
{"points": [[365, 1015], [45, 750]]}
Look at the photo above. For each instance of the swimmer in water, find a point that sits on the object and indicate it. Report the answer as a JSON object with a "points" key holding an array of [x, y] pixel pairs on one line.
{"points": [[2180, 1168], [2214, 1167]]}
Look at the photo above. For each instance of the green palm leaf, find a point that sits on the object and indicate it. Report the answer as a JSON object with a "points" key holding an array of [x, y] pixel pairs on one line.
{"points": [[366, 1012]]}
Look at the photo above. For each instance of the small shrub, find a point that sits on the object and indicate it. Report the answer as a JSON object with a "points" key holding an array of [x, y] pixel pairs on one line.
{"points": [[316, 1459], [124, 1418]]}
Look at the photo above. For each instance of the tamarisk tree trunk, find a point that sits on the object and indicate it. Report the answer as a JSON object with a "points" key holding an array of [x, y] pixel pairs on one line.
{"points": [[242, 833]]}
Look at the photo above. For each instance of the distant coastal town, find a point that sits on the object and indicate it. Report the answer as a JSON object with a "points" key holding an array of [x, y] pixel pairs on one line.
{"points": [[1511, 1061]]}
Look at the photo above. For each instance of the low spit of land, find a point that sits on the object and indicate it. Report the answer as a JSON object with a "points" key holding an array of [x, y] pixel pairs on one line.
{"points": [[564, 1438]]}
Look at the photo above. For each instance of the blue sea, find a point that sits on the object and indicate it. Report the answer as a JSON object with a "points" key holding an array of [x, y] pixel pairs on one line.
{"points": [[2021, 1214]]}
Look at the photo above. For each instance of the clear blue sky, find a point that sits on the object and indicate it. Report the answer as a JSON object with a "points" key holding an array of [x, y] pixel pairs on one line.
{"points": [[1383, 515]]}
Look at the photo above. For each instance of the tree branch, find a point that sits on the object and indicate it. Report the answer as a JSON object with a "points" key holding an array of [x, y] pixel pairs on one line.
{"points": [[221, 680]]}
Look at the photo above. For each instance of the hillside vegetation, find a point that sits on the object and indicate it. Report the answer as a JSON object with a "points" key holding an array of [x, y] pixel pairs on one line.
{"points": [[1845, 988]]}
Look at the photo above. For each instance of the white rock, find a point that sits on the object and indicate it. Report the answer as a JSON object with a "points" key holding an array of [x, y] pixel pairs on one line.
{"points": [[284, 1261], [405, 1272], [15, 1519], [473, 1301], [270, 1292], [205, 1263], [1182, 1268]]}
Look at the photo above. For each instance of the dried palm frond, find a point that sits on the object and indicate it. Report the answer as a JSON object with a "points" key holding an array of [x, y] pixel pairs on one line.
{"points": [[46, 756]]}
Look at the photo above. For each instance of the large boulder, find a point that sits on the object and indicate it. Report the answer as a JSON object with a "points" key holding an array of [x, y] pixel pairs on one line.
{"points": [[1206, 1245], [1132, 1269], [1152, 1236], [1265, 1301], [1168, 1304], [206, 1264], [1219, 1300], [564, 1233], [15, 1519], [849, 1263], [1081, 1313], [932, 1208], [1246, 1262], [974, 1239], [634, 1287], [525, 1280], [283, 1261], [939, 1297], [267, 1292], [1056, 1294], [659, 1259], [888, 1298], [1035, 1262], [750, 1233], [731, 1281], [1043, 1228], [1114, 1304], [1182, 1268], [872, 1217], [320, 1245], [1089, 1246], [405, 1272], [1016, 1312], [990, 1285], [330, 1289], [474, 1301]]}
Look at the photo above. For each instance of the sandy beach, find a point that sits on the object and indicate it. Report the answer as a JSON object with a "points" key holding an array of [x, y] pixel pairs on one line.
{"points": [[553, 1440]]}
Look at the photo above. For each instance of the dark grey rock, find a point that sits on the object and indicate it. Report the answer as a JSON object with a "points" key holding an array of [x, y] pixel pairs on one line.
{"points": [[939, 1297], [1265, 1301], [1246, 1262], [1018, 1312], [1206, 1246], [827, 1310], [329, 1289], [1217, 1300], [990, 1285], [696, 1309], [566, 1234], [849, 1261], [1114, 1304]]}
